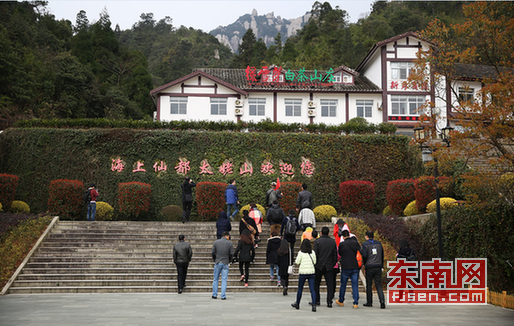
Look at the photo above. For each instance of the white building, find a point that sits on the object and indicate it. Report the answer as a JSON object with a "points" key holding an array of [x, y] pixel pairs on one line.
{"points": [[377, 91]]}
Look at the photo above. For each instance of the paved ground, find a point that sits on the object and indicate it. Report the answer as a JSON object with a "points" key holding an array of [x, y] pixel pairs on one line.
{"points": [[239, 309]]}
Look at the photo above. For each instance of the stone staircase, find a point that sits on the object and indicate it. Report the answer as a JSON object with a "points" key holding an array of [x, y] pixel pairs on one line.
{"points": [[102, 257]]}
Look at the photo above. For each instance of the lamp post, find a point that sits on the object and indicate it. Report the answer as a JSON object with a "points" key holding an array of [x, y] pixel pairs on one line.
{"points": [[420, 137]]}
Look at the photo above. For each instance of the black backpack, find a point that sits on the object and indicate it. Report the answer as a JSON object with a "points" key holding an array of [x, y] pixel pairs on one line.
{"points": [[86, 196], [290, 226]]}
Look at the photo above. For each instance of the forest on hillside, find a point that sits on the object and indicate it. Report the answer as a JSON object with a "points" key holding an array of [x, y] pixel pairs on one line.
{"points": [[61, 69]]}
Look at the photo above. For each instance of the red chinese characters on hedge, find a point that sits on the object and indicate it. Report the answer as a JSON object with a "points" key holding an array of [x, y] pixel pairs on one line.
{"points": [[117, 165], [438, 282]]}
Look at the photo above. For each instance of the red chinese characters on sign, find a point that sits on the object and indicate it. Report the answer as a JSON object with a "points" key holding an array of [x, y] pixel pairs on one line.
{"points": [[247, 168], [205, 168], [267, 168], [440, 282], [117, 165], [160, 166], [182, 167], [226, 168], [139, 167], [286, 168], [307, 168], [251, 74], [394, 85]]}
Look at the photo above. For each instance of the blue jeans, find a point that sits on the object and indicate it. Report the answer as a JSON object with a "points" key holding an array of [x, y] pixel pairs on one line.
{"points": [[222, 269], [353, 275], [301, 281], [272, 271], [91, 211], [229, 209]]}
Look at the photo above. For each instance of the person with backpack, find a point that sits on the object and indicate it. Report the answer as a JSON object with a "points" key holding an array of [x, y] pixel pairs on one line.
{"points": [[89, 198], [373, 257], [275, 216], [288, 231], [272, 195], [349, 268]]}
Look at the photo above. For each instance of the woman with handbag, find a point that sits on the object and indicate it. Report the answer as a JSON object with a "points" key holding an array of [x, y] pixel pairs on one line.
{"points": [[306, 260], [187, 198], [283, 264], [246, 253]]}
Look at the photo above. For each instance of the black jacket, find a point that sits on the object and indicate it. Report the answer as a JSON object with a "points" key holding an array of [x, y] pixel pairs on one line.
{"points": [[249, 220], [304, 200], [246, 252], [348, 252], [369, 258], [182, 252], [326, 252], [271, 250], [275, 215], [223, 224]]}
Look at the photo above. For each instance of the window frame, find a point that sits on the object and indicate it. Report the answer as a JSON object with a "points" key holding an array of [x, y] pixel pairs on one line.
{"points": [[181, 105], [407, 100], [329, 110], [402, 67], [364, 108], [296, 109], [260, 104], [218, 103]]}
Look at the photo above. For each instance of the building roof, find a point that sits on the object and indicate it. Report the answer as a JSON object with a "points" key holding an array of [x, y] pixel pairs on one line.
{"points": [[477, 72], [237, 78]]}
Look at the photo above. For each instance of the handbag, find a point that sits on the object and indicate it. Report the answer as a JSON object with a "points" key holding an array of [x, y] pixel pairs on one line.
{"points": [[290, 268], [250, 228]]}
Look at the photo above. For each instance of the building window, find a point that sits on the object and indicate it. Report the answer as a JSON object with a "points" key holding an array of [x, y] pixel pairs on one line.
{"points": [[257, 106], [328, 108], [347, 79], [401, 70], [293, 108], [336, 78], [271, 78], [466, 95], [406, 105], [364, 108], [218, 106], [178, 105]]}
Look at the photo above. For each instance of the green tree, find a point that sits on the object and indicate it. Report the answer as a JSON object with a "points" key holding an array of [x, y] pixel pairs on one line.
{"points": [[244, 58]]}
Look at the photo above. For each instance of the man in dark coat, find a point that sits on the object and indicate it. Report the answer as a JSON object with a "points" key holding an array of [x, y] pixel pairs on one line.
{"points": [[373, 258], [275, 216], [349, 268], [290, 238], [222, 224], [326, 258], [304, 199], [182, 254]]}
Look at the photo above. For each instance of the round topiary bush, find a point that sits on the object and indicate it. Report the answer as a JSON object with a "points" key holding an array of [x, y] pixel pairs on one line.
{"points": [[446, 203], [247, 207], [19, 206], [411, 209], [104, 211], [324, 213], [171, 213], [387, 211]]}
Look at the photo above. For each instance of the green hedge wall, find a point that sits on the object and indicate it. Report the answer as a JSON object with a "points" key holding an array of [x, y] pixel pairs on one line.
{"points": [[40, 155]]}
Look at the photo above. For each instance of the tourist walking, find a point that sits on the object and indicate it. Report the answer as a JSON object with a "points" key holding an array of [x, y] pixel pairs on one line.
{"points": [[182, 254], [247, 223], [256, 215], [304, 199], [222, 253], [272, 194], [306, 219], [349, 268], [306, 260], [275, 216], [288, 231], [187, 198], [245, 253], [373, 258], [223, 224], [232, 199], [326, 252], [272, 256], [284, 260], [90, 198]]}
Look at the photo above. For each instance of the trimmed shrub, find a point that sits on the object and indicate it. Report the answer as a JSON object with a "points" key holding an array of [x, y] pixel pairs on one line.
{"points": [[210, 198], [411, 209], [8, 184], [399, 193], [19, 206], [65, 198], [171, 213], [446, 203], [424, 191], [289, 192], [357, 196], [104, 211], [324, 213], [388, 211], [134, 198], [247, 207]]}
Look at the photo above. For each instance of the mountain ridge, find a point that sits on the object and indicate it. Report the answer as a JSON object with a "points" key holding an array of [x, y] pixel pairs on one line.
{"points": [[264, 26]]}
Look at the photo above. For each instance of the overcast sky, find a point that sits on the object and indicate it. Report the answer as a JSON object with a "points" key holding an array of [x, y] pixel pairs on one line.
{"points": [[199, 14]]}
